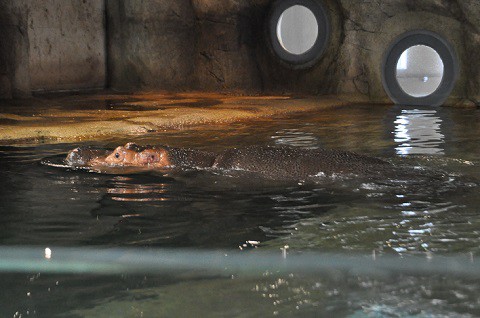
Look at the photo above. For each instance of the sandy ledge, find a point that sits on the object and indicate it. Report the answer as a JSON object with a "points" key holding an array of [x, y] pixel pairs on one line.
{"points": [[97, 116]]}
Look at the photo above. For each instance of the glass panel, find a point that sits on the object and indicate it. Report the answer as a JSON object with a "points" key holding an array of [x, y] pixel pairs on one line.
{"points": [[297, 29], [419, 71]]}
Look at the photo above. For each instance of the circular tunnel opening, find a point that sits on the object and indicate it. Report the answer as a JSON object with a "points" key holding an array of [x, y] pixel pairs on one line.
{"points": [[298, 31], [419, 71], [420, 68]]}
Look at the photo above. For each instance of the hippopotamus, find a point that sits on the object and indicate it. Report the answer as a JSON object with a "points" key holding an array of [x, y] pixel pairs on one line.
{"points": [[134, 155], [270, 162]]}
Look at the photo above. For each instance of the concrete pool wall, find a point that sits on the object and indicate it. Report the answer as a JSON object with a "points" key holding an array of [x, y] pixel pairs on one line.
{"points": [[207, 45]]}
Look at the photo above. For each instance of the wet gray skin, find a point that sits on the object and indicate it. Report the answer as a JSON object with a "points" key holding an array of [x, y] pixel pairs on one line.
{"points": [[284, 163], [270, 162], [297, 163], [189, 158]]}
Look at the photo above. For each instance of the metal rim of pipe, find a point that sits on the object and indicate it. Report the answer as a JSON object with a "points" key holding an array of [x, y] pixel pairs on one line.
{"points": [[312, 55], [400, 45]]}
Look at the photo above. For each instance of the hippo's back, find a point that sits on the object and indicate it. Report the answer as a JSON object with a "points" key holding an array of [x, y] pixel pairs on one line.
{"points": [[184, 157], [296, 163]]}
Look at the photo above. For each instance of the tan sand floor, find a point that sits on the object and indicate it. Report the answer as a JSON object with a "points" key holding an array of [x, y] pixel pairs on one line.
{"points": [[101, 115]]}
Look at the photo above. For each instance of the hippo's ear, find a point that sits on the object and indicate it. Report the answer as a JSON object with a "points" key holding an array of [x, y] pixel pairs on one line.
{"points": [[133, 146]]}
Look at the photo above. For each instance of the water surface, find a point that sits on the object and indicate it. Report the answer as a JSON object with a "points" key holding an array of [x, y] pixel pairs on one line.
{"points": [[199, 210]]}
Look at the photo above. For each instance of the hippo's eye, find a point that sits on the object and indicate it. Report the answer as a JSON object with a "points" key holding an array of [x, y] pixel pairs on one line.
{"points": [[118, 155]]}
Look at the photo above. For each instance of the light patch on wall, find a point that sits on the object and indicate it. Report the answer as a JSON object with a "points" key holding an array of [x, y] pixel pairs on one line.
{"points": [[297, 29], [403, 61], [419, 71]]}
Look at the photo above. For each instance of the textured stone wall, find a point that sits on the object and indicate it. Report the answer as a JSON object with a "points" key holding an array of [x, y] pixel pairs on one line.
{"points": [[14, 72], [50, 46], [371, 26], [228, 34], [219, 45], [151, 44], [205, 45], [67, 44]]}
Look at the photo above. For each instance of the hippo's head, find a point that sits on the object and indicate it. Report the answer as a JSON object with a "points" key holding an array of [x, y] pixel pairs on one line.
{"points": [[134, 155], [123, 156], [128, 155]]}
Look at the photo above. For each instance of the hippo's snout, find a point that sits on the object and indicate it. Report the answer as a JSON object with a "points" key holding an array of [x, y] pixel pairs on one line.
{"points": [[84, 157], [76, 157]]}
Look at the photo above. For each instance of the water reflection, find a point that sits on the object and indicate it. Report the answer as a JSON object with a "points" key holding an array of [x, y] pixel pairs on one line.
{"points": [[126, 189], [430, 213], [423, 227], [418, 131], [296, 138]]}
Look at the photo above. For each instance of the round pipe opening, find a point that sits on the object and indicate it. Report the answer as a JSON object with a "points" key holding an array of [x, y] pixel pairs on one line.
{"points": [[420, 68], [419, 71], [298, 31]]}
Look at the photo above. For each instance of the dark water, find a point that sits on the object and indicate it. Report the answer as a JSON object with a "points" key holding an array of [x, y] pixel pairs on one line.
{"points": [[399, 217]]}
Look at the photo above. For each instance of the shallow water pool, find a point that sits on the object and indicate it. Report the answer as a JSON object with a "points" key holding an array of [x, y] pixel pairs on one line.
{"points": [[360, 221]]}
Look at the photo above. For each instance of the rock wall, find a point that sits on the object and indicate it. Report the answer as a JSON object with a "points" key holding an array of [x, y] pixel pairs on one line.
{"points": [[227, 36], [51, 46], [228, 50], [218, 45], [151, 44], [67, 44], [204, 45], [14, 71], [370, 27]]}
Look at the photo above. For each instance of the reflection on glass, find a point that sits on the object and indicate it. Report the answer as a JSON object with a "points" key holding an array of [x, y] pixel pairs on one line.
{"points": [[297, 29], [419, 71], [418, 132]]}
